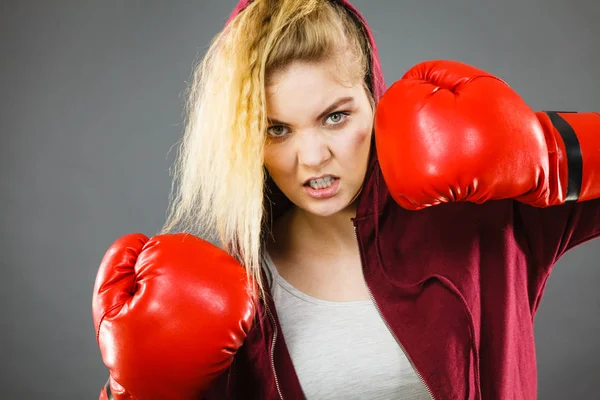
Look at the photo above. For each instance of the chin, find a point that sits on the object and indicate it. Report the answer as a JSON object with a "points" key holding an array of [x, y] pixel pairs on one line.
{"points": [[325, 208]]}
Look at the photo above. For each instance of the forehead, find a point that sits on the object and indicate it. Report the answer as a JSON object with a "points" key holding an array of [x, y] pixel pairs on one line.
{"points": [[304, 87]]}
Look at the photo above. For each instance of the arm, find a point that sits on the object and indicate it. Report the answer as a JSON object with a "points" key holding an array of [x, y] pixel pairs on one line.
{"points": [[449, 132], [551, 232]]}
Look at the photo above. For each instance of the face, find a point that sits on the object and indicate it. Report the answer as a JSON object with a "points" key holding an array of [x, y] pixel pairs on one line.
{"points": [[319, 136]]}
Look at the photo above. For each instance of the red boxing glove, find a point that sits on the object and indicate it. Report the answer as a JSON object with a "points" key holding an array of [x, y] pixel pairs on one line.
{"points": [[170, 313], [449, 132]]}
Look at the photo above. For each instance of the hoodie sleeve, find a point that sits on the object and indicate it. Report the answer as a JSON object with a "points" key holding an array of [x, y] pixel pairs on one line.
{"points": [[551, 232]]}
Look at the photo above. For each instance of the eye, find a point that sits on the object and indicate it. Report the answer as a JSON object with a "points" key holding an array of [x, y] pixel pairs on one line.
{"points": [[277, 130], [336, 118]]}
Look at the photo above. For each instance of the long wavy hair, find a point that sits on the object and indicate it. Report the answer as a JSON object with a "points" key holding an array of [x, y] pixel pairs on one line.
{"points": [[219, 180]]}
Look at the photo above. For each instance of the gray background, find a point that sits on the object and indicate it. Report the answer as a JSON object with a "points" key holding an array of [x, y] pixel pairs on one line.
{"points": [[91, 104]]}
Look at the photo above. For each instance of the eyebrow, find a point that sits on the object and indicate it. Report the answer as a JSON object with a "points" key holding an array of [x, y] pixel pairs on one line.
{"points": [[339, 102]]}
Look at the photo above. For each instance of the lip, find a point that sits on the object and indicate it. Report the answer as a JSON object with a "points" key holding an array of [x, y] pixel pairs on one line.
{"points": [[323, 193]]}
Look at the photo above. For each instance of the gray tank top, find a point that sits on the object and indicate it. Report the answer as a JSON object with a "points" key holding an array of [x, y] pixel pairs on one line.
{"points": [[341, 350]]}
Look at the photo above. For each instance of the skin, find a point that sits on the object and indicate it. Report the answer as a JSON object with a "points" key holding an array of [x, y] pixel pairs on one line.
{"points": [[312, 133]]}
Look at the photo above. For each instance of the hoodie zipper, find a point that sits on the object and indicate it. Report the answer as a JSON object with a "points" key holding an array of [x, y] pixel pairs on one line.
{"points": [[385, 321], [273, 349]]}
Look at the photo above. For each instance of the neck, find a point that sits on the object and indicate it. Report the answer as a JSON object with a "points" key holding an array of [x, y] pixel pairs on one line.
{"points": [[298, 232]]}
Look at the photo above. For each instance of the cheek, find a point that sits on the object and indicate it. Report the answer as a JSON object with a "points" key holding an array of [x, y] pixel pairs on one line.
{"points": [[358, 141], [277, 162], [363, 136]]}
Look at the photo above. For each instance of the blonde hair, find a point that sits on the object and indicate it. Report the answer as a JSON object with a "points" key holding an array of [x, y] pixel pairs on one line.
{"points": [[219, 178]]}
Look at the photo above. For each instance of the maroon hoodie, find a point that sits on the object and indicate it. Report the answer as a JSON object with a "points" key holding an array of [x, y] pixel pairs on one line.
{"points": [[457, 284]]}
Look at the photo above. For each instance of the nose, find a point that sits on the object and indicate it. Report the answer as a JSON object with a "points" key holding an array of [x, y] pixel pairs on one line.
{"points": [[313, 150]]}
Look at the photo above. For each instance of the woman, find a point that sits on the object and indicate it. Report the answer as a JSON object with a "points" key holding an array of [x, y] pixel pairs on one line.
{"points": [[359, 297]]}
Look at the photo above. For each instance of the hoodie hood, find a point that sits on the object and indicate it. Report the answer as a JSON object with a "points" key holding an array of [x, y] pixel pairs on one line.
{"points": [[377, 81], [274, 198]]}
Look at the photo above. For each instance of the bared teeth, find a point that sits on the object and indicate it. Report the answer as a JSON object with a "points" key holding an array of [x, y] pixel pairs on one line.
{"points": [[321, 183]]}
